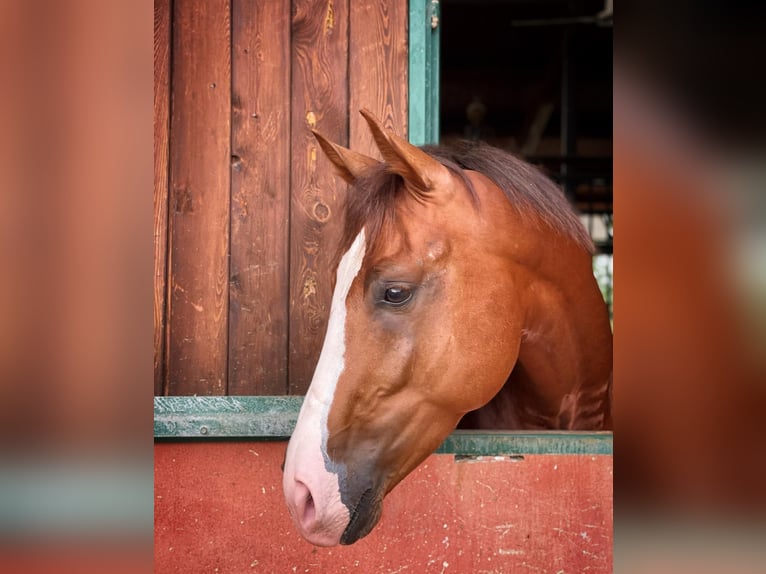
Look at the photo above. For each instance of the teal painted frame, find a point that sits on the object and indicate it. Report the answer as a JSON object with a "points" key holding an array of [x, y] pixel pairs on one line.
{"points": [[423, 93], [273, 418]]}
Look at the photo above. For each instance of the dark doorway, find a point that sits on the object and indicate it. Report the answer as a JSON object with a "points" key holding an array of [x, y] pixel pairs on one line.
{"points": [[535, 78]]}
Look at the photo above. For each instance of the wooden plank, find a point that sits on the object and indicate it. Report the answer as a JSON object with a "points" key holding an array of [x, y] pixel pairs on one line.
{"points": [[319, 100], [546, 513], [161, 135], [272, 417], [423, 72], [417, 73], [378, 69], [229, 417], [472, 444], [199, 198], [434, 83], [260, 197]]}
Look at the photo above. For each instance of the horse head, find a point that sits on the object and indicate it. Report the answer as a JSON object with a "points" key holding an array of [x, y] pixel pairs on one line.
{"points": [[426, 322]]}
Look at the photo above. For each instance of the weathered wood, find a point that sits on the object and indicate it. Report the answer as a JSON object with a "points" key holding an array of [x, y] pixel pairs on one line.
{"points": [[470, 443], [378, 69], [274, 418], [199, 198], [228, 320], [260, 196], [229, 417], [220, 505], [423, 116], [319, 100], [161, 135]]}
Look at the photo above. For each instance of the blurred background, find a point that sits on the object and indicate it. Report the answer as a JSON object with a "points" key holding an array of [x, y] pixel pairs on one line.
{"points": [[690, 360], [76, 287], [682, 156]]}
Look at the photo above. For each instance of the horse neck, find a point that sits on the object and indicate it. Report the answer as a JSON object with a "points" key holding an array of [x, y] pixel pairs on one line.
{"points": [[563, 375], [562, 379]]}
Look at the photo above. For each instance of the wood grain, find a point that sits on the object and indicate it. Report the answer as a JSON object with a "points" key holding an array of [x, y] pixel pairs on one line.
{"points": [[161, 135], [199, 198], [319, 100], [377, 69], [260, 203]]}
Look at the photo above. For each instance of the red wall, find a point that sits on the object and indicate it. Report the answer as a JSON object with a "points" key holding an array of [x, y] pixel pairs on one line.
{"points": [[219, 508]]}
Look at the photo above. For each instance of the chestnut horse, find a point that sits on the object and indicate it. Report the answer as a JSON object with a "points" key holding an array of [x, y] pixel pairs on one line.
{"points": [[464, 291]]}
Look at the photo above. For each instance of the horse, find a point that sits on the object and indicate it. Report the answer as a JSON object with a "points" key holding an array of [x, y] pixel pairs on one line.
{"points": [[464, 297]]}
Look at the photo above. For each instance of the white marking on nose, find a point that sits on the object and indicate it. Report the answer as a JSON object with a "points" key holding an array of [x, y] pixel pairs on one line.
{"points": [[307, 450]]}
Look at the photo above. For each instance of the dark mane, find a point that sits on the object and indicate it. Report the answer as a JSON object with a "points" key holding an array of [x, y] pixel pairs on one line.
{"points": [[525, 186], [371, 199]]}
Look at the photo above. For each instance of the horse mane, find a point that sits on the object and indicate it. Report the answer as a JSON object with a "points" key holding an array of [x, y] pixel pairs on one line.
{"points": [[372, 197]]}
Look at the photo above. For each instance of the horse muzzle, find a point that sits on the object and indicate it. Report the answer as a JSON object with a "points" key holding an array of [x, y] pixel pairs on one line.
{"points": [[364, 515], [330, 503], [325, 519]]}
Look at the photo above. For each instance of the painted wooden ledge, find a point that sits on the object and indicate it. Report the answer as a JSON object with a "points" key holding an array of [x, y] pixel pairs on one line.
{"points": [[273, 418]]}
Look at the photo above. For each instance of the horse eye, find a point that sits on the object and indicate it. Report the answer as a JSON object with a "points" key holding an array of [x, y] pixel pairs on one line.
{"points": [[397, 295]]}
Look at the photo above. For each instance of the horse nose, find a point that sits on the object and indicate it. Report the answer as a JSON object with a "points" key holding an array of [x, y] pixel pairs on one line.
{"points": [[303, 504], [312, 492], [319, 524]]}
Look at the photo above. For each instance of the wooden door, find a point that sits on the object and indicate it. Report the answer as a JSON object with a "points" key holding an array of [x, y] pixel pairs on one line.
{"points": [[246, 209]]}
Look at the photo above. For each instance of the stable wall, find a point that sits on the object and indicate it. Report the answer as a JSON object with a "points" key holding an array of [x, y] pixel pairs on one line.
{"points": [[246, 207], [219, 508]]}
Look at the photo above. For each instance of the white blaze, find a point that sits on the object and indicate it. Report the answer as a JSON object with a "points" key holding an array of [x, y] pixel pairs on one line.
{"points": [[330, 364], [305, 457]]}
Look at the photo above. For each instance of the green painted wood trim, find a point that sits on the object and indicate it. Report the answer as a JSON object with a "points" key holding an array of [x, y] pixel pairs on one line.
{"points": [[227, 417], [506, 443], [273, 418], [423, 113]]}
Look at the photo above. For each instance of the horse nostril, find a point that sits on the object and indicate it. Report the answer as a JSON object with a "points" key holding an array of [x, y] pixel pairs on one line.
{"points": [[309, 511], [304, 505]]}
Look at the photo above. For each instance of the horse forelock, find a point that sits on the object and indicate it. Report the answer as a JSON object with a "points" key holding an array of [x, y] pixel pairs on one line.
{"points": [[371, 205]]}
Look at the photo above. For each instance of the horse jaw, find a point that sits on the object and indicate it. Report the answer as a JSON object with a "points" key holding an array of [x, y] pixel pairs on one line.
{"points": [[311, 480]]}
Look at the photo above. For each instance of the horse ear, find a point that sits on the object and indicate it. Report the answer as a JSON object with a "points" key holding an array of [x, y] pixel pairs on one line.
{"points": [[349, 164], [422, 173]]}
